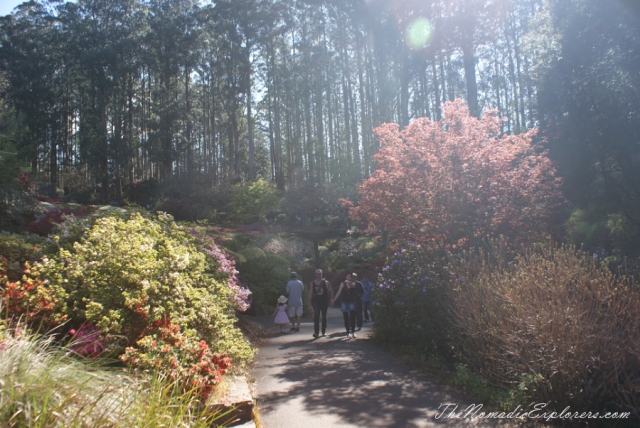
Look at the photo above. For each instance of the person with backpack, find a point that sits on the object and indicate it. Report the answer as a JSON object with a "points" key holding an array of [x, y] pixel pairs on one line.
{"points": [[347, 295], [319, 290]]}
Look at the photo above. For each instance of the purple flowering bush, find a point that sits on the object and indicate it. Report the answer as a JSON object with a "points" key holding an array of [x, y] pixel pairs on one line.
{"points": [[222, 268], [410, 300]]}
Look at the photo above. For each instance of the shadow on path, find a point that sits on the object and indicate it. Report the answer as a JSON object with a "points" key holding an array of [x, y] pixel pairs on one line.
{"points": [[339, 382]]}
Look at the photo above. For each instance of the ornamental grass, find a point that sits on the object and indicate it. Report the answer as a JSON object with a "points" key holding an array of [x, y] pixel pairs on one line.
{"points": [[43, 384]]}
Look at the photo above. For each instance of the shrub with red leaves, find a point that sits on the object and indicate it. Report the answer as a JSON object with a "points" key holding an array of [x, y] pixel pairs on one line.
{"points": [[35, 301], [183, 358], [458, 180], [44, 225]]}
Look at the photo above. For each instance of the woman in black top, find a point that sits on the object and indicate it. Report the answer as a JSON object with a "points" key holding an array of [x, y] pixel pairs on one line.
{"points": [[347, 295], [319, 301]]}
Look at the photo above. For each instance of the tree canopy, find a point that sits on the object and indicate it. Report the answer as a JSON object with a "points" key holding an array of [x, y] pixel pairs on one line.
{"points": [[456, 180], [193, 95]]}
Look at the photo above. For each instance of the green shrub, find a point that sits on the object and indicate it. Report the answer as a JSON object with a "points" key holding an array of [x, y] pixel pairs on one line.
{"points": [[624, 236], [410, 300], [17, 249], [266, 274], [252, 202], [127, 273], [354, 252]]}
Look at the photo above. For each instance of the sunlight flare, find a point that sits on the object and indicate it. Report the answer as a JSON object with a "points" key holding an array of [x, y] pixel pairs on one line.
{"points": [[418, 33]]}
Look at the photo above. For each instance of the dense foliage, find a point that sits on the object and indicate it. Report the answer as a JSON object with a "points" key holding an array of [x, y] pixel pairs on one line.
{"points": [[14, 182], [266, 274], [411, 300], [458, 180], [555, 323], [16, 249], [551, 325], [124, 278], [588, 102], [254, 201]]}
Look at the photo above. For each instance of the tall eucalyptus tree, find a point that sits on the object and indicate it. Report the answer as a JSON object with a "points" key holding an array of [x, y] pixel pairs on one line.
{"points": [[32, 59]]}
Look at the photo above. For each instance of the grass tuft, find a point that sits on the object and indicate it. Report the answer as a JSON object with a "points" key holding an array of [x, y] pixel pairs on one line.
{"points": [[43, 384]]}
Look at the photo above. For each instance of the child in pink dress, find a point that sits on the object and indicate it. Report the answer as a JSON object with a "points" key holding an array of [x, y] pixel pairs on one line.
{"points": [[281, 314]]}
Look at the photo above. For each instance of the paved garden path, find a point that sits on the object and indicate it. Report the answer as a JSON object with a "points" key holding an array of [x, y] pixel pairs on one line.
{"points": [[334, 381]]}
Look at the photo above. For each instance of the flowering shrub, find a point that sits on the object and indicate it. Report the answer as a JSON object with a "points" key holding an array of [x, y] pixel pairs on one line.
{"points": [[223, 269], [40, 304], [410, 300], [88, 341], [129, 271], [70, 230], [183, 358], [453, 182]]}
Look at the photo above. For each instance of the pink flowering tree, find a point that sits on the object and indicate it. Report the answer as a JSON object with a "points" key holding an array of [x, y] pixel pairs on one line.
{"points": [[458, 180]]}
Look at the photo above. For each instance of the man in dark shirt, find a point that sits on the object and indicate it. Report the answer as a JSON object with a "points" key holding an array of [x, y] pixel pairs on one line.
{"points": [[319, 291]]}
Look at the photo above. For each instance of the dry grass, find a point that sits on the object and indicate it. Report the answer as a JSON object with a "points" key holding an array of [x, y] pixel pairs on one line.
{"points": [[555, 323]]}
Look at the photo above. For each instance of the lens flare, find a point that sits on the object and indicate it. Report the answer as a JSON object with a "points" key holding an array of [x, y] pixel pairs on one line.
{"points": [[419, 33]]}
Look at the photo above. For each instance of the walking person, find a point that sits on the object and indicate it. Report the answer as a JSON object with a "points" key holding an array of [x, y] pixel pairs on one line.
{"points": [[281, 314], [359, 289], [366, 299], [319, 301], [294, 291], [347, 294]]}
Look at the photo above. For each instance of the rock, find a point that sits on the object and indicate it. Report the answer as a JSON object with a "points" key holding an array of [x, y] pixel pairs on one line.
{"points": [[234, 397]]}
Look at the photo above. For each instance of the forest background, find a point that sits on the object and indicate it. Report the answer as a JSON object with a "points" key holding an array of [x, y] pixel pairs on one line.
{"points": [[141, 101], [382, 136]]}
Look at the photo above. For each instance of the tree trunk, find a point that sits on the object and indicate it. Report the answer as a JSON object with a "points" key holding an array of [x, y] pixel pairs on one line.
{"points": [[252, 149], [469, 61]]}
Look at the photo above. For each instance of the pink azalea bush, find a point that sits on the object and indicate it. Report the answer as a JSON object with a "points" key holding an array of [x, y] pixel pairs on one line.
{"points": [[225, 270]]}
